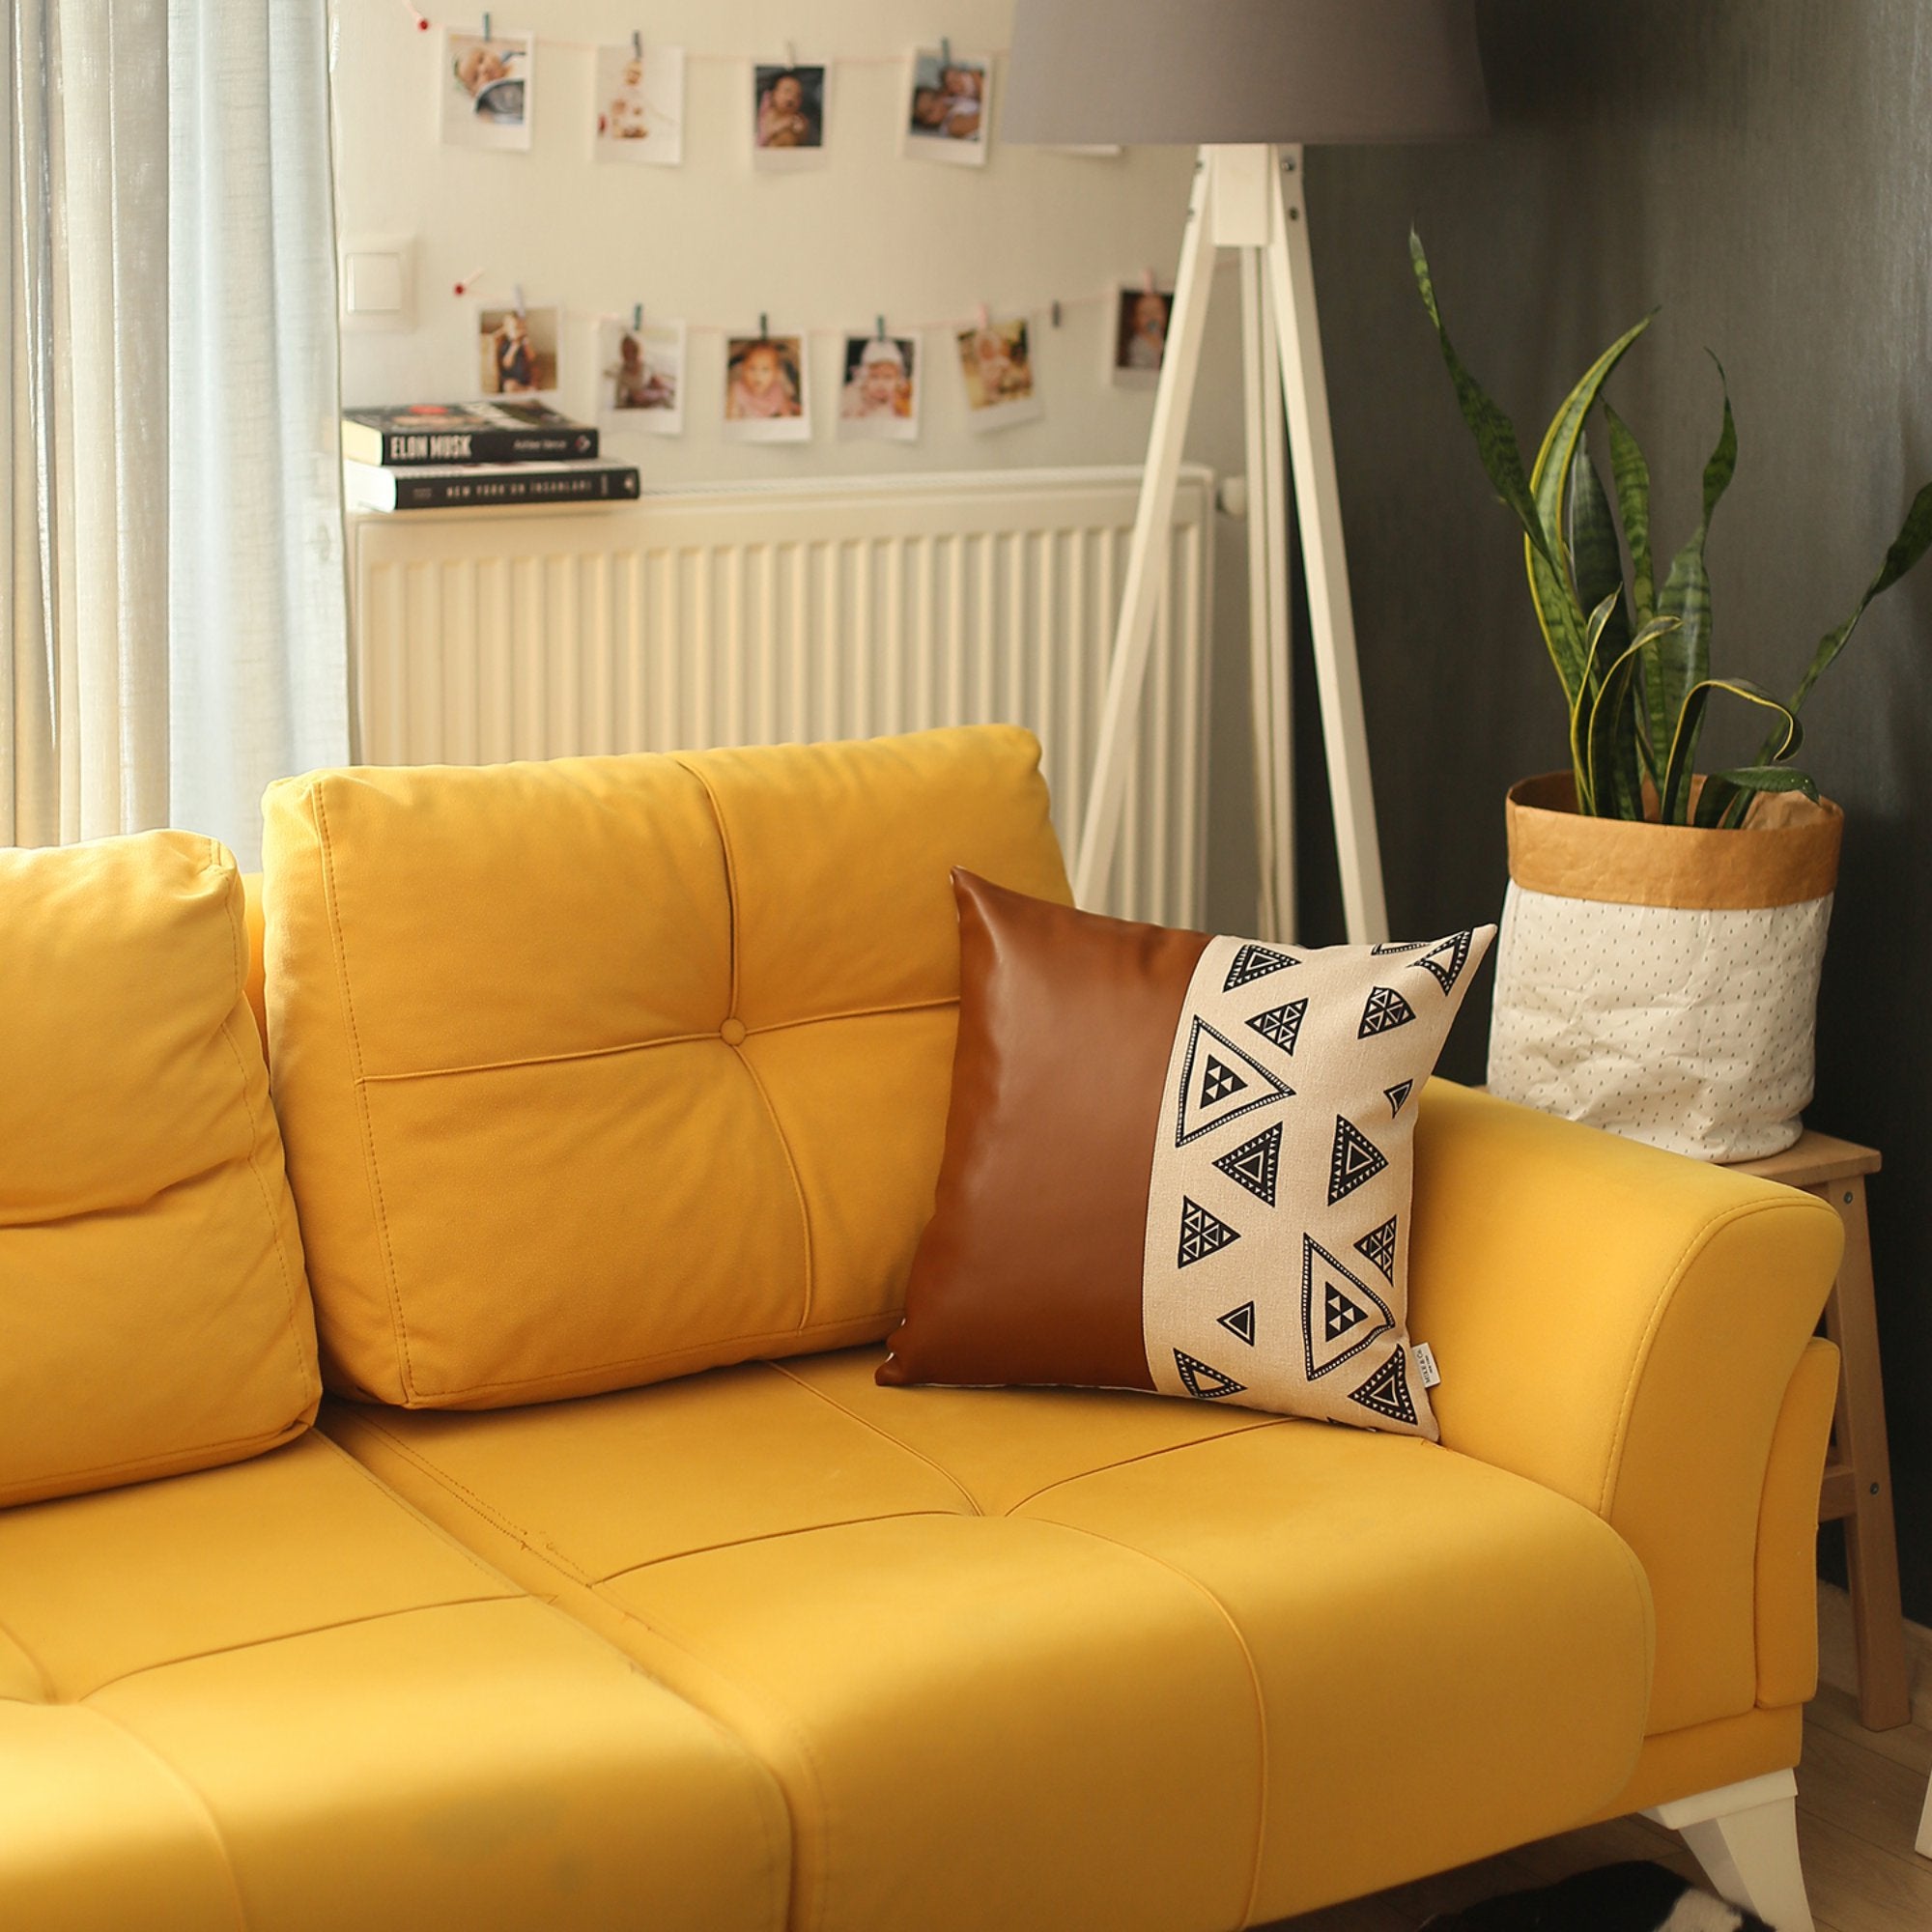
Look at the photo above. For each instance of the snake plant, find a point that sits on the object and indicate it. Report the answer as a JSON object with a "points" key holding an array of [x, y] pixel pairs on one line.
{"points": [[1634, 655]]}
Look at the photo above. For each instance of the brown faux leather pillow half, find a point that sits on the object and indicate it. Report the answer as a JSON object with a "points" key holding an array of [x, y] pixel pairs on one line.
{"points": [[1179, 1163]]}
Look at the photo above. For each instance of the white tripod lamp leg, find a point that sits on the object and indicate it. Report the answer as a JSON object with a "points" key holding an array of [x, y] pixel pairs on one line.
{"points": [[1926, 1826], [1268, 663], [1331, 616], [1148, 552]]}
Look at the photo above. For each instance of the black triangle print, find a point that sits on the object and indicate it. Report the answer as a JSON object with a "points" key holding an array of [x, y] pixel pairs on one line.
{"points": [[1201, 1234], [1255, 1164], [1353, 1161], [1340, 1314], [1384, 1011], [1379, 1249], [1241, 1321], [1386, 1392], [1281, 1026], [1256, 962], [1395, 1095], [1400, 946], [1219, 1083], [1198, 1378], [1447, 958]]}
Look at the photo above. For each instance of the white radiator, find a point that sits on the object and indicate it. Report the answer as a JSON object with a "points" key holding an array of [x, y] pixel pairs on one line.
{"points": [[753, 615]]}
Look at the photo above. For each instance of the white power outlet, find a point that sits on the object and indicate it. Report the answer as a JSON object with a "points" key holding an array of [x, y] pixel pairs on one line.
{"points": [[378, 282]]}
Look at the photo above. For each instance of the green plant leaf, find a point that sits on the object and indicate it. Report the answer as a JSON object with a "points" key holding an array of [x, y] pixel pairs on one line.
{"points": [[1595, 557], [1496, 435], [1582, 704], [1674, 795], [1630, 474], [1553, 586], [1684, 662], [1911, 542], [1604, 727], [1727, 796]]}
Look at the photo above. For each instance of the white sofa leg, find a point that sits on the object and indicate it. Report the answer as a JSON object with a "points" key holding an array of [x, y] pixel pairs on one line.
{"points": [[1926, 1826], [1746, 1837]]}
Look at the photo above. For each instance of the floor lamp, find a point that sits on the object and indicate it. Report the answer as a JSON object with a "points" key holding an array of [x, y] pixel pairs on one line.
{"points": [[1248, 82]]}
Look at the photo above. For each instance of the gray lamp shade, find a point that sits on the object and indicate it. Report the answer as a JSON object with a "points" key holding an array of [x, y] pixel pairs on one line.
{"points": [[1191, 72]]}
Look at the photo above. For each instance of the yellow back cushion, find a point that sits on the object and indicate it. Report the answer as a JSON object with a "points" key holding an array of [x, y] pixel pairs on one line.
{"points": [[154, 1315], [607, 1069]]}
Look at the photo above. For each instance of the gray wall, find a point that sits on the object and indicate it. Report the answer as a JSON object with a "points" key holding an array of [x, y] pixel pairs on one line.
{"points": [[1762, 169]]}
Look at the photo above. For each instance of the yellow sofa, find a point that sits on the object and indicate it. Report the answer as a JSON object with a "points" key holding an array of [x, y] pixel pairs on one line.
{"points": [[575, 1612]]}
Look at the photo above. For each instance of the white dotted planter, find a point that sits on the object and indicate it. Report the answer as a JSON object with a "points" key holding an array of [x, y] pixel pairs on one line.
{"points": [[1661, 980]]}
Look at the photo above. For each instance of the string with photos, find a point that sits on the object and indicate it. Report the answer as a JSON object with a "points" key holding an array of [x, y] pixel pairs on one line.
{"points": [[424, 26], [1052, 308]]}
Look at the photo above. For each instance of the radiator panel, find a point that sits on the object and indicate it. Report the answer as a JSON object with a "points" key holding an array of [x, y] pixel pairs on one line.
{"points": [[797, 614]]}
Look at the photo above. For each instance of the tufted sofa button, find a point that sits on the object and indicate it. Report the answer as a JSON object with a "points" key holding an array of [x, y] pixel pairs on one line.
{"points": [[732, 1032]]}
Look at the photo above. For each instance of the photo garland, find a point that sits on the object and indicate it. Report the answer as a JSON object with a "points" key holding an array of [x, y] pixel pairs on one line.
{"points": [[637, 104]]}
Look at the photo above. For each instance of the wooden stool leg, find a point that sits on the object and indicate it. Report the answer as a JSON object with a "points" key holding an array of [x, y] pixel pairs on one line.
{"points": [[1871, 1541]]}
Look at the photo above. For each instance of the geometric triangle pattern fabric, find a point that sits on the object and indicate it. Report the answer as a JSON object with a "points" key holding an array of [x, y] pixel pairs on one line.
{"points": [[1354, 1160], [1281, 1026], [1199, 1379], [1386, 1391], [1398, 946], [1201, 1234], [1255, 1164], [1219, 1083], [1446, 958], [1241, 1321], [1379, 1248], [1276, 1220], [1340, 1314], [1256, 962], [1383, 1011]]}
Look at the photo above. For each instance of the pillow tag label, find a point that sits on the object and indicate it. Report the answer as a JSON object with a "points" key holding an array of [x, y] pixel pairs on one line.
{"points": [[1426, 1371]]}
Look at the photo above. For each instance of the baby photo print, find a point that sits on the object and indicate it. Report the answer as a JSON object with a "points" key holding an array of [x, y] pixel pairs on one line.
{"points": [[996, 360], [1141, 315], [640, 376], [484, 89], [879, 393], [950, 100], [765, 389], [638, 97], [517, 350], [787, 115]]}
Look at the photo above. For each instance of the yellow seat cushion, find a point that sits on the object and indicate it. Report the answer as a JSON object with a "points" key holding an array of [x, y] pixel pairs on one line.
{"points": [[270, 1695], [154, 1312], [1040, 1659], [601, 1070]]}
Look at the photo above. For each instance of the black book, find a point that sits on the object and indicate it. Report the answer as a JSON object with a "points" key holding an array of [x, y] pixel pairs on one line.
{"points": [[438, 433], [474, 486]]}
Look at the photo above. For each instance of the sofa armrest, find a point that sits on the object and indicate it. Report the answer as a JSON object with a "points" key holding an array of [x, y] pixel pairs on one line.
{"points": [[1621, 1325]]}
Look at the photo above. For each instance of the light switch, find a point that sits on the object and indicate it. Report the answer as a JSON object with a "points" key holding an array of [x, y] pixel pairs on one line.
{"points": [[375, 285], [379, 282]]}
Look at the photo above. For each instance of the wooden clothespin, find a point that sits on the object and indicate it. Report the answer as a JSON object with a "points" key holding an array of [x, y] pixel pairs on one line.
{"points": [[1056, 311], [636, 315], [945, 51], [879, 323], [764, 326], [516, 295], [486, 26], [982, 317], [791, 53], [637, 45], [1147, 282]]}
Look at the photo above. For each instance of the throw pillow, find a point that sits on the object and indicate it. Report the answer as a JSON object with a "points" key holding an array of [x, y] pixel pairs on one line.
{"points": [[1179, 1163]]}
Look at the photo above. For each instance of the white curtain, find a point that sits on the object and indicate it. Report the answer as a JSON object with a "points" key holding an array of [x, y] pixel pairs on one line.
{"points": [[172, 532]]}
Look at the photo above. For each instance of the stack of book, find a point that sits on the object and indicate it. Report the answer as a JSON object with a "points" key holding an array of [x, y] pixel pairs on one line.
{"points": [[445, 456]]}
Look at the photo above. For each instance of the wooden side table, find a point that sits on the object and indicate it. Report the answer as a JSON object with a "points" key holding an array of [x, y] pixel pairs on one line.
{"points": [[1857, 1471]]}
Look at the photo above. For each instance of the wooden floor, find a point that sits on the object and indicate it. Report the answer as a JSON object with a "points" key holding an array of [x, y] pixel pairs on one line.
{"points": [[1859, 1798]]}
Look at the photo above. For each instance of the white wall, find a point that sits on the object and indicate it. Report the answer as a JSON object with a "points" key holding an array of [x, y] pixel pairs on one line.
{"points": [[870, 232]]}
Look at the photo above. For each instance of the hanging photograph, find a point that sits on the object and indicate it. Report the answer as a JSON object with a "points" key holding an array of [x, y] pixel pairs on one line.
{"points": [[996, 359], [638, 97], [1139, 337], [878, 395], [787, 115], [948, 106], [765, 398], [485, 88], [640, 376], [517, 350]]}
